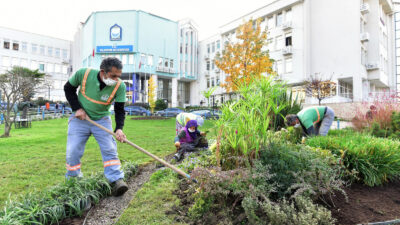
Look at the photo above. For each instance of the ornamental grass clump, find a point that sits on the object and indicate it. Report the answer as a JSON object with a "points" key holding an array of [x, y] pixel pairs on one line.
{"points": [[376, 160], [244, 124], [68, 199]]}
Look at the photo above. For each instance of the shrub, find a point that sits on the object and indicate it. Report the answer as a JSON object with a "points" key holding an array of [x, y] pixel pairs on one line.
{"points": [[376, 160], [160, 105], [301, 170], [68, 199]]}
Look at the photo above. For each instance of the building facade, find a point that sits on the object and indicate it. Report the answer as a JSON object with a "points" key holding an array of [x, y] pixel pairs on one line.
{"points": [[34, 51], [148, 46], [350, 42]]}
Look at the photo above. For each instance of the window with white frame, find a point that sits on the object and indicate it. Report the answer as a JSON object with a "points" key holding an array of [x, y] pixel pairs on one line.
{"points": [[150, 60], [50, 51], [41, 67], [64, 54], [34, 48], [279, 42], [171, 63], [15, 46], [288, 16], [166, 62], [208, 48], [124, 59], [279, 67], [6, 44], [34, 65], [64, 69], [279, 19], [160, 61], [143, 58], [57, 68], [270, 44], [288, 66], [213, 47], [131, 60], [57, 53], [288, 40], [42, 50], [270, 22], [50, 67], [24, 46]]}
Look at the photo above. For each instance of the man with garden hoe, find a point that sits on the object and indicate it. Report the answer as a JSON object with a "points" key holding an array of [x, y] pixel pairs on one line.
{"points": [[313, 120], [98, 89]]}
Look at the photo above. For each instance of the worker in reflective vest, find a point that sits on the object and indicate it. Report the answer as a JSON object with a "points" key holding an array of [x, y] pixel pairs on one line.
{"points": [[313, 120], [98, 89]]}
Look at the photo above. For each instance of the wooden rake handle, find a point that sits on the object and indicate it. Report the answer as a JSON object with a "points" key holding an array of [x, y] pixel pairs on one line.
{"points": [[179, 171]]}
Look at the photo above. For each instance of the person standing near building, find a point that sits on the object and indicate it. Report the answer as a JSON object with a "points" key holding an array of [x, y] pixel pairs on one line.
{"points": [[98, 89], [313, 120], [47, 106]]}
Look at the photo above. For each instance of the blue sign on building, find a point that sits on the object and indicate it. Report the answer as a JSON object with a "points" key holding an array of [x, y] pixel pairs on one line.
{"points": [[114, 49], [115, 33]]}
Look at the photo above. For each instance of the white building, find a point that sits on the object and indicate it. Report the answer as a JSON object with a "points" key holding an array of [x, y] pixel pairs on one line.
{"points": [[34, 51], [350, 41]]}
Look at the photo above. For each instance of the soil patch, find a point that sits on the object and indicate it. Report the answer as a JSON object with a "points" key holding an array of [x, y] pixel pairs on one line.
{"points": [[368, 204], [149, 118]]}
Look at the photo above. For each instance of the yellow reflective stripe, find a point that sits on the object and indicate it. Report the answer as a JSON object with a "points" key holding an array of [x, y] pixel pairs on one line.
{"points": [[84, 88], [84, 81], [114, 91], [319, 117], [112, 163], [73, 168]]}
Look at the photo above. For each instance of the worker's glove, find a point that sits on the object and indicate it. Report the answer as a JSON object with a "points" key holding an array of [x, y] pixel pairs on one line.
{"points": [[177, 145]]}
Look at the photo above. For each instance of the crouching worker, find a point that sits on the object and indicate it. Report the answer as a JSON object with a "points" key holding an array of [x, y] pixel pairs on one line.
{"points": [[313, 120], [189, 139], [183, 118]]}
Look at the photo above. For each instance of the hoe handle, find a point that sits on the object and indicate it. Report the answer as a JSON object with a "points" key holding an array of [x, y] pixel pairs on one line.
{"points": [[179, 171]]}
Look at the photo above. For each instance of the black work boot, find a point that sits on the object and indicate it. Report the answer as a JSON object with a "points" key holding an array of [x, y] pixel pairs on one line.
{"points": [[119, 188], [178, 156]]}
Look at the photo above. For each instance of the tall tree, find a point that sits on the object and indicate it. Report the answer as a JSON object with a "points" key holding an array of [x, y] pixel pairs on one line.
{"points": [[245, 60], [319, 88], [152, 93], [17, 84]]}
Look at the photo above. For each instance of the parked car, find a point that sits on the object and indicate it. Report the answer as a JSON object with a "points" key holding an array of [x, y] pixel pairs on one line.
{"points": [[169, 112], [206, 114], [137, 110]]}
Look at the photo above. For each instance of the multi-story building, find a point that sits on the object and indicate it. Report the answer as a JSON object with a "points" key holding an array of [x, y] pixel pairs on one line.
{"points": [[147, 45], [350, 42], [34, 51]]}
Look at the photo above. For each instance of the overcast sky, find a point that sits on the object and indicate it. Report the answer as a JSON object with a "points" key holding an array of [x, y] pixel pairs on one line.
{"points": [[60, 18]]}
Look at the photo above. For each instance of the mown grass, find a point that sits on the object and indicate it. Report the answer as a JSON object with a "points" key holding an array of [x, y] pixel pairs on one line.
{"points": [[153, 200], [33, 159]]}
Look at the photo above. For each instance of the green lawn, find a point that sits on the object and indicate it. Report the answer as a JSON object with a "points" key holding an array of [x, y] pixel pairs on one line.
{"points": [[33, 159]]}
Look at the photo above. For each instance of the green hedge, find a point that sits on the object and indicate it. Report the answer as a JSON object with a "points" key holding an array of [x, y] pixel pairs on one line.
{"points": [[376, 160]]}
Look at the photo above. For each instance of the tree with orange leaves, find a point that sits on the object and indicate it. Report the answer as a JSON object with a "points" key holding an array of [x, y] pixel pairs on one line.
{"points": [[244, 61]]}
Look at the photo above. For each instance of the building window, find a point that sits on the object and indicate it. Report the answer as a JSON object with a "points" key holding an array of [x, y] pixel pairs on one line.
{"points": [[57, 68], [208, 48], [150, 60], [50, 67], [131, 61], [64, 54], [124, 59], [212, 82], [171, 63], [270, 44], [15, 46], [57, 52], [208, 82], [218, 45], [288, 41], [166, 63], [24, 46], [181, 49], [279, 67], [64, 69], [213, 47], [218, 82], [50, 51], [288, 15], [34, 65], [41, 67], [208, 65], [186, 67], [288, 65], [42, 50], [270, 22], [186, 48], [6, 44], [142, 58], [213, 65], [279, 19], [160, 61]]}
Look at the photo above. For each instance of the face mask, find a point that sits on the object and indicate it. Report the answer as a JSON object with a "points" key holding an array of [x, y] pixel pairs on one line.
{"points": [[191, 131], [297, 125], [109, 82]]}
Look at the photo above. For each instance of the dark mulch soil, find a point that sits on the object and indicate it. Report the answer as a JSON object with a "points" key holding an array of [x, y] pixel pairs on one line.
{"points": [[149, 118], [367, 204]]}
